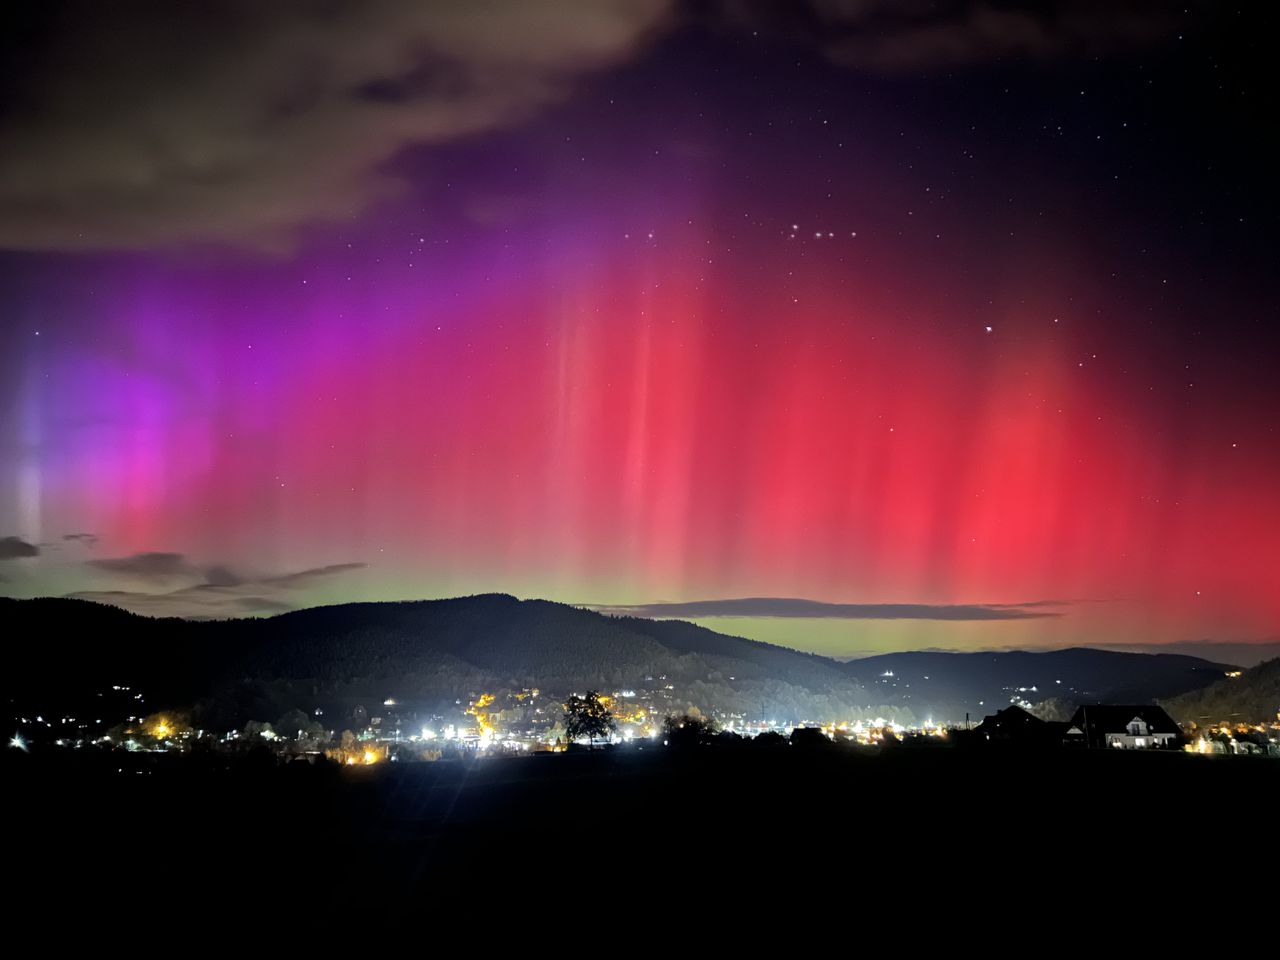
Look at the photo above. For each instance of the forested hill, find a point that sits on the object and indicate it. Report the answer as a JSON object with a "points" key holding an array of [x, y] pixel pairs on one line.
{"points": [[1252, 697], [427, 650], [439, 651], [949, 685]]}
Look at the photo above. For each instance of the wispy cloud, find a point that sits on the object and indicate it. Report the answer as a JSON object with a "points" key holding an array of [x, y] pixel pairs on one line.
{"points": [[146, 566], [817, 609], [893, 35], [239, 124], [15, 548], [307, 578], [220, 592]]}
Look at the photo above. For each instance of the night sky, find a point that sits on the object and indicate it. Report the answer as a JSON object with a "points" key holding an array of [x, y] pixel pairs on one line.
{"points": [[953, 324]]}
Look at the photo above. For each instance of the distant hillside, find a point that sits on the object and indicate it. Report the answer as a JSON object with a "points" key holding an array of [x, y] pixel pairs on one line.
{"points": [[1252, 697], [436, 652], [1243, 654], [429, 651], [949, 685]]}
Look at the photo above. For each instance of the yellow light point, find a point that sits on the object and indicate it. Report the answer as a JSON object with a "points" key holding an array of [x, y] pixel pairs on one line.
{"points": [[370, 756], [481, 713], [162, 729], [636, 716]]}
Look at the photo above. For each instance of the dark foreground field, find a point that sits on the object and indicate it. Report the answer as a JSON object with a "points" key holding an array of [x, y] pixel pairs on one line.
{"points": [[935, 822]]}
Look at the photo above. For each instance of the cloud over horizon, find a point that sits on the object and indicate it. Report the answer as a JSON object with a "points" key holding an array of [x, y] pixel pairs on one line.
{"points": [[154, 566], [15, 548], [794, 607], [217, 591]]}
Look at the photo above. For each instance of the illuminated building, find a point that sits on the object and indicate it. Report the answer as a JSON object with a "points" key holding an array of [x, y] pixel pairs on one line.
{"points": [[1123, 727]]}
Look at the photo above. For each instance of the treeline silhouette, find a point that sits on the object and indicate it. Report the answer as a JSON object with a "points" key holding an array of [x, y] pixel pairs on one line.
{"points": [[947, 685], [1252, 697], [436, 650]]}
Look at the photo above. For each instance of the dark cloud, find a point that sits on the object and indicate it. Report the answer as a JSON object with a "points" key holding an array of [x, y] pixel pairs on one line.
{"points": [[895, 35], [145, 566], [15, 548], [148, 123], [88, 539], [142, 124], [816, 609], [200, 602], [222, 577], [221, 593], [260, 605], [307, 578]]}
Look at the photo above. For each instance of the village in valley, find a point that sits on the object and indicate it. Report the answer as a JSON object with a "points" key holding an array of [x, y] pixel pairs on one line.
{"points": [[528, 722]]}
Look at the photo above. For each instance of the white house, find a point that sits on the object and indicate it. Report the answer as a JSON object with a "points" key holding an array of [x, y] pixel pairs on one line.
{"points": [[1121, 727]]}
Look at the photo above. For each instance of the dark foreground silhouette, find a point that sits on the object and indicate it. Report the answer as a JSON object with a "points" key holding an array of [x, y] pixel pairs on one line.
{"points": [[938, 822]]}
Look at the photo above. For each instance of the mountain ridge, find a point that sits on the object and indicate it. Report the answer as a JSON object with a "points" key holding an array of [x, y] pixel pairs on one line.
{"points": [[1251, 697], [976, 683], [445, 649]]}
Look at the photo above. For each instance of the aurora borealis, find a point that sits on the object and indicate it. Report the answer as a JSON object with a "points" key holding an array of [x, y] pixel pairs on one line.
{"points": [[727, 316]]}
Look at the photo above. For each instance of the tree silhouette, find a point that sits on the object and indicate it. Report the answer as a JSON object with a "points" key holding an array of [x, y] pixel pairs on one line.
{"points": [[586, 717], [687, 730]]}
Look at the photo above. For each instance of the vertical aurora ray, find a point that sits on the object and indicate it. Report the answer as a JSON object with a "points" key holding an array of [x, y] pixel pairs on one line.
{"points": [[684, 374]]}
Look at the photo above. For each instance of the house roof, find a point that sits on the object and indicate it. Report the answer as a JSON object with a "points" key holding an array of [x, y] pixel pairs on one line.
{"points": [[1114, 718], [1011, 721]]}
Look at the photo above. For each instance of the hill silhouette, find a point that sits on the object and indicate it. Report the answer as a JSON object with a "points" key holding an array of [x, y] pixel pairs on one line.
{"points": [[441, 651], [1252, 697], [431, 650], [949, 685]]}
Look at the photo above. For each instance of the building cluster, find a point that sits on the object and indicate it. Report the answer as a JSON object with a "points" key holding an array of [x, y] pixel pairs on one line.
{"points": [[1099, 726], [522, 721], [1239, 739], [1123, 727]]}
